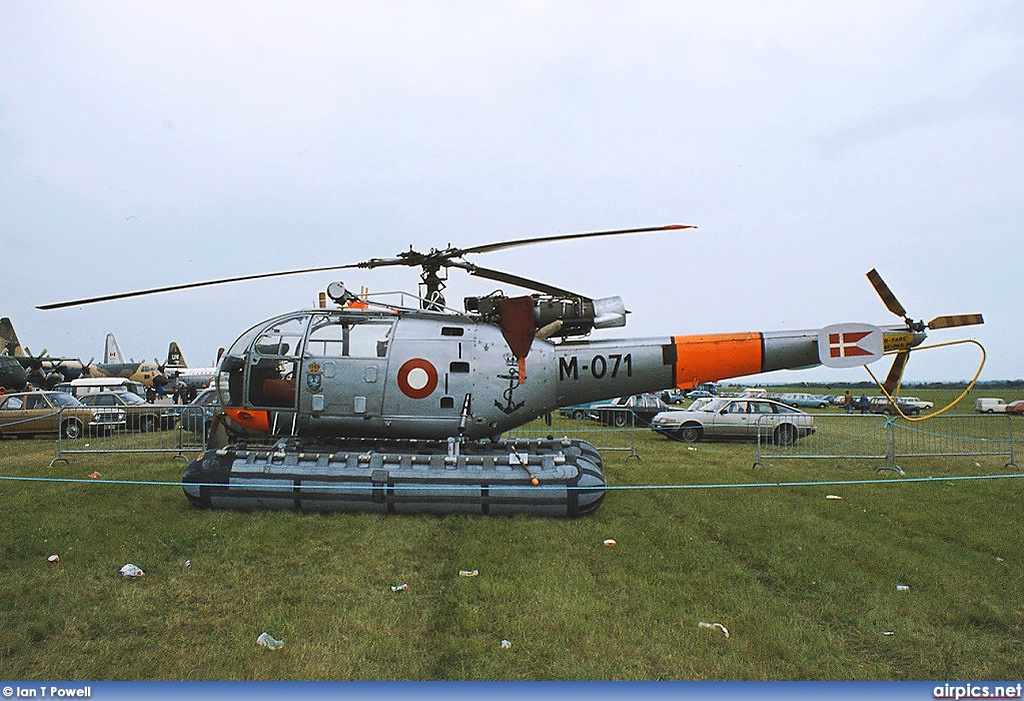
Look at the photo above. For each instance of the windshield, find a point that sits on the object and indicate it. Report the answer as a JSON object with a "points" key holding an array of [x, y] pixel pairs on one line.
{"points": [[710, 404], [208, 396], [61, 399], [130, 398]]}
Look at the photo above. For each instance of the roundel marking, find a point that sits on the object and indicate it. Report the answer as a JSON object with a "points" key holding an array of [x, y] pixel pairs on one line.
{"points": [[417, 378]]}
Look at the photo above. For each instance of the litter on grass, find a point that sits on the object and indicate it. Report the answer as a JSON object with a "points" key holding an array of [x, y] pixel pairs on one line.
{"points": [[469, 573], [53, 559], [702, 624], [506, 644], [130, 570], [268, 641], [399, 587], [609, 543], [902, 587], [833, 497]]}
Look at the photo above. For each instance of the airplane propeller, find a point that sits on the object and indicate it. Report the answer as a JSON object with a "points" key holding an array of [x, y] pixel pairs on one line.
{"points": [[430, 264], [946, 321]]}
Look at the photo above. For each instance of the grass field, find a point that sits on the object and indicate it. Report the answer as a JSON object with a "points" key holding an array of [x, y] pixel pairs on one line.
{"points": [[806, 586]]}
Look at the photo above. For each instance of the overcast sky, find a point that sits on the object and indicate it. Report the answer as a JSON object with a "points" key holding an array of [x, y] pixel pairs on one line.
{"points": [[146, 144]]}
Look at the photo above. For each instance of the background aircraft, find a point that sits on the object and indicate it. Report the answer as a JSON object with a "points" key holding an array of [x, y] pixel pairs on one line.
{"points": [[13, 377], [41, 370], [195, 379], [45, 370]]}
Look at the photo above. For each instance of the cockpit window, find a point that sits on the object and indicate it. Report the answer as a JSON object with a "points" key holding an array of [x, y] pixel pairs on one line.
{"points": [[283, 338], [337, 337], [271, 366]]}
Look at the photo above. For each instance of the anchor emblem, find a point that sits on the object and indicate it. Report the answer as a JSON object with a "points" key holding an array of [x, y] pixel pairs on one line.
{"points": [[513, 382]]}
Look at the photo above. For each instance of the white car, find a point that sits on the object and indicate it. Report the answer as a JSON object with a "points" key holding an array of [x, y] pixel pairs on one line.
{"points": [[741, 417], [919, 404], [990, 405], [808, 400]]}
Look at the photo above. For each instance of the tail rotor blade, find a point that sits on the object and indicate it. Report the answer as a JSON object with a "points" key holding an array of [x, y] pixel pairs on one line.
{"points": [[953, 320], [895, 376], [888, 298]]}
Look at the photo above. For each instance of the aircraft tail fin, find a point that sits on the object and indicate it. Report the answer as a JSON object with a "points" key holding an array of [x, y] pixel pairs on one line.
{"points": [[8, 339], [112, 351], [175, 358]]}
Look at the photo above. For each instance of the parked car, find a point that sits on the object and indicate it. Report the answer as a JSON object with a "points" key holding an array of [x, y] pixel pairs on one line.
{"points": [[1016, 407], [30, 413], [197, 414], [84, 385], [990, 405], [815, 401], [618, 412], [736, 418], [882, 405], [921, 404], [672, 396], [140, 415]]}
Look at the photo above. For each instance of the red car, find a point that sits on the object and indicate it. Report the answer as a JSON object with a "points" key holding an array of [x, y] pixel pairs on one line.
{"points": [[1016, 407]]}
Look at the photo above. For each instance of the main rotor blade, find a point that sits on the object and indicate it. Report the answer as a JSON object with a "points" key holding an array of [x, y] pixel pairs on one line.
{"points": [[888, 298], [516, 280], [952, 320], [488, 247], [411, 258], [188, 286]]}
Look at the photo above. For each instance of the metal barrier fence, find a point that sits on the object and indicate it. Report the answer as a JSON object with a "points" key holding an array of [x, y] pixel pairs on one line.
{"points": [[167, 436], [871, 437], [878, 437], [615, 435]]}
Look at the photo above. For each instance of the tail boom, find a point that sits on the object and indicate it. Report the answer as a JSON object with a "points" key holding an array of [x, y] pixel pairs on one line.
{"points": [[714, 357]]}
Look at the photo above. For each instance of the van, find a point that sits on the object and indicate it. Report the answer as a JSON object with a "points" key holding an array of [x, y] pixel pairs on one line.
{"points": [[84, 385], [990, 405]]}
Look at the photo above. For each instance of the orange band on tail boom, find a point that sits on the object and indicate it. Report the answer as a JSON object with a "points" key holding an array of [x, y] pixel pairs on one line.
{"points": [[713, 357]]}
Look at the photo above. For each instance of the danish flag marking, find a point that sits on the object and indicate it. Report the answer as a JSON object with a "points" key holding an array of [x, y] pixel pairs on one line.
{"points": [[844, 345], [849, 345]]}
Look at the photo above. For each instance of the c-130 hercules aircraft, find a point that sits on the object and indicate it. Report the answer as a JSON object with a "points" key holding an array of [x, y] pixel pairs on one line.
{"points": [[384, 408]]}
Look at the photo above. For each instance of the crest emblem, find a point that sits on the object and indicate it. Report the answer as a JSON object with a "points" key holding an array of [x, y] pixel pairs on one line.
{"points": [[314, 378]]}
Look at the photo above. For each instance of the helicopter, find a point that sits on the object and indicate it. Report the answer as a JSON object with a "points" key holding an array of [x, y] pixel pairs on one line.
{"points": [[379, 407]]}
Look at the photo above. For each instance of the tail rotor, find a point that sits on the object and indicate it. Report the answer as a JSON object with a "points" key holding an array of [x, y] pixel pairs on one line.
{"points": [[902, 344]]}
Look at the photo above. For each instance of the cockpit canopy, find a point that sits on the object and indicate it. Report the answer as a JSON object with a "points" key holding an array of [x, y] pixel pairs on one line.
{"points": [[261, 367]]}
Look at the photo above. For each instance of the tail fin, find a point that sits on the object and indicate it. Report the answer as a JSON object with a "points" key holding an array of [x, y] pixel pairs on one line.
{"points": [[9, 343], [112, 351], [174, 356]]}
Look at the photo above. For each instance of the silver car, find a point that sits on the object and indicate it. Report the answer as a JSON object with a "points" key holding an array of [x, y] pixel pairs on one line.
{"points": [[743, 417], [197, 414]]}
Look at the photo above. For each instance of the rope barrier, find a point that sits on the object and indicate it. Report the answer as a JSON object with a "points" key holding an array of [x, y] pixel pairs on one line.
{"points": [[749, 485]]}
